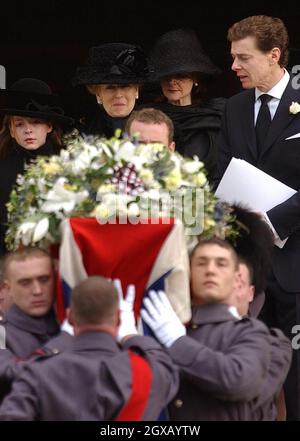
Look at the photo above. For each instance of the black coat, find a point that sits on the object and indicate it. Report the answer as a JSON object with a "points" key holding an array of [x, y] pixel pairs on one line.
{"points": [[196, 128], [280, 158], [103, 125], [10, 167]]}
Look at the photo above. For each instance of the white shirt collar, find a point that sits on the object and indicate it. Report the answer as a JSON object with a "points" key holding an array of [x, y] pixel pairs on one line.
{"points": [[278, 89], [233, 311]]}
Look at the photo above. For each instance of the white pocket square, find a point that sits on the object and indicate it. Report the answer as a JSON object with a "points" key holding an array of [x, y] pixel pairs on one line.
{"points": [[293, 136]]}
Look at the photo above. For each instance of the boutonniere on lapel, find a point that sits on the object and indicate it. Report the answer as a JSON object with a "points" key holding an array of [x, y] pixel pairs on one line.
{"points": [[294, 108]]}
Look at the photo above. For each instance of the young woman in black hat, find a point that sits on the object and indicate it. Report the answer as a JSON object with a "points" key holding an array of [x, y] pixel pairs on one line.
{"points": [[30, 127], [184, 71], [113, 73]]}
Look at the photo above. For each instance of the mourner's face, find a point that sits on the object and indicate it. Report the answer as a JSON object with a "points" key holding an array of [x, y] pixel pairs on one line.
{"points": [[178, 89], [253, 67], [30, 133], [151, 133], [213, 274], [118, 100], [31, 284], [244, 292]]}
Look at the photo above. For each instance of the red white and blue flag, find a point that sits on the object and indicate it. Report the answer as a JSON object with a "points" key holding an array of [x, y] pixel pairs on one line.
{"points": [[150, 256]]}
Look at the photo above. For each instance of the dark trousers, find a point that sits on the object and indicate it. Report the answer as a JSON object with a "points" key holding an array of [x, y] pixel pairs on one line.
{"points": [[282, 310]]}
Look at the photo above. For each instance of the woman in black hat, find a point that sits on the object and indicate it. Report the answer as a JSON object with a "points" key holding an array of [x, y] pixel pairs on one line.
{"points": [[30, 127], [184, 71], [113, 73]]}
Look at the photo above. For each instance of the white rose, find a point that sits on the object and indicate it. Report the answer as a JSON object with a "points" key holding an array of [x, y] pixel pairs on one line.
{"points": [[173, 180], [192, 167], [294, 108], [125, 152], [83, 160], [200, 179], [147, 176]]}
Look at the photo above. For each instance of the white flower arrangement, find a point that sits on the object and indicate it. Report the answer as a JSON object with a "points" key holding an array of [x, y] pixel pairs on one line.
{"points": [[294, 108], [109, 178]]}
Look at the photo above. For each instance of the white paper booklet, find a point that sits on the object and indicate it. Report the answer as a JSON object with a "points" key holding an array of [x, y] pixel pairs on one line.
{"points": [[244, 183]]}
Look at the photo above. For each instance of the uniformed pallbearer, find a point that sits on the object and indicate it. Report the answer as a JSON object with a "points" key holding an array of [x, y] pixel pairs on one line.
{"points": [[96, 379]]}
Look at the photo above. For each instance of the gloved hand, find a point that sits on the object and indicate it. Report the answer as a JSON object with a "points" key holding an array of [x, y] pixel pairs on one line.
{"points": [[67, 327], [162, 319], [127, 324]]}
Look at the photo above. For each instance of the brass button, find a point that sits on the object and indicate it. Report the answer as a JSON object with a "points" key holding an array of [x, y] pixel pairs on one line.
{"points": [[55, 351], [194, 326], [178, 403]]}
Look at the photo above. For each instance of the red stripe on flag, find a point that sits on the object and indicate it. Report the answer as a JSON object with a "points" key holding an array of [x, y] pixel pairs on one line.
{"points": [[123, 251], [134, 409], [60, 307]]}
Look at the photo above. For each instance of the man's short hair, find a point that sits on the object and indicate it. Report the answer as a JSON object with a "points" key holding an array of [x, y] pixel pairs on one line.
{"points": [[269, 32], [216, 241], [245, 262], [149, 115], [21, 255], [94, 301]]}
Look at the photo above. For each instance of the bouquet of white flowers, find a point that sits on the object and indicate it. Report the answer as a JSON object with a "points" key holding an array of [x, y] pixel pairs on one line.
{"points": [[112, 179]]}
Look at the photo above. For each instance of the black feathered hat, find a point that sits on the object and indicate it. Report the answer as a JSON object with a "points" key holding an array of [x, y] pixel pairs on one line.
{"points": [[114, 63], [32, 98], [178, 52], [254, 244]]}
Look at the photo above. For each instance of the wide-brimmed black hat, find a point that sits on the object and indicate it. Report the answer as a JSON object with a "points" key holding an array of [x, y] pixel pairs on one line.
{"points": [[32, 98], [114, 63], [179, 52]]}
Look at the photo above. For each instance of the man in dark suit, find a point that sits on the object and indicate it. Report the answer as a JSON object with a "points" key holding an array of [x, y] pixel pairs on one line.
{"points": [[265, 131]]}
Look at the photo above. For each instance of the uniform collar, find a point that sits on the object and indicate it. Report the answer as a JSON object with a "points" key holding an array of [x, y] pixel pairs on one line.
{"points": [[95, 340], [46, 324], [213, 313]]}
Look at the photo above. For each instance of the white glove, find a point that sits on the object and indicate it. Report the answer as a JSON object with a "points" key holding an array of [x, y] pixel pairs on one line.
{"points": [[67, 327], [127, 324], [162, 319]]}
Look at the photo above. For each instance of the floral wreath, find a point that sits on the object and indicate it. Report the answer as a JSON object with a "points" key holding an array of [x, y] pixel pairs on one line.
{"points": [[109, 178]]}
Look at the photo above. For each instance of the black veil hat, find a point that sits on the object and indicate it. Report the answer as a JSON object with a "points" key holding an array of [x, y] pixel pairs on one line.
{"points": [[114, 63], [33, 98], [180, 51]]}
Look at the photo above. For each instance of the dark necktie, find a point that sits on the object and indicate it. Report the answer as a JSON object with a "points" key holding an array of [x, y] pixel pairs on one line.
{"points": [[263, 121]]}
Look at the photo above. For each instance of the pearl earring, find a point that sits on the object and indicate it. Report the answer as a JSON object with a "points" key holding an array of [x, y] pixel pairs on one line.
{"points": [[195, 84], [99, 101]]}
